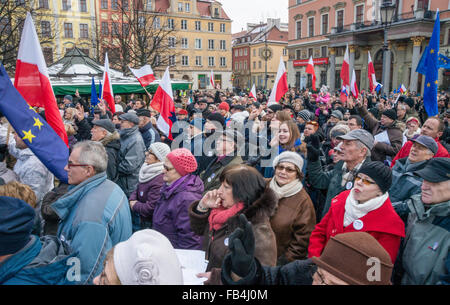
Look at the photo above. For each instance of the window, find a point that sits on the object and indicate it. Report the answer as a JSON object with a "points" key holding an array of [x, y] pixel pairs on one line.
{"points": [[298, 54], [198, 60], [245, 52], [171, 42], [83, 6], [198, 43], [114, 4], [298, 28], [68, 31], [223, 45], [310, 52], [284, 52], [311, 26], [44, 4], [359, 16], [104, 4], [254, 52], [210, 44], [187, 7], [65, 5], [236, 66], [48, 55], [180, 6], [211, 61], [240, 52], [340, 19], [105, 29], [324, 29], [84, 30], [149, 5], [170, 24], [157, 23], [259, 64], [46, 29], [125, 5], [198, 26], [157, 60], [299, 1], [115, 29], [172, 60], [184, 24], [184, 43], [185, 60], [216, 12], [125, 29], [245, 65], [324, 51], [222, 28], [323, 78], [223, 61], [210, 27], [236, 53], [254, 65]]}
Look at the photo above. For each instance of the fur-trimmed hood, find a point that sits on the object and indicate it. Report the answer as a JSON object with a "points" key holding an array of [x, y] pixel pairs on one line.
{"points": [[112, 137]]}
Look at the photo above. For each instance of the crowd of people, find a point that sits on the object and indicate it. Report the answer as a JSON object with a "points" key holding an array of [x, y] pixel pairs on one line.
{"points": [[309, 190]]}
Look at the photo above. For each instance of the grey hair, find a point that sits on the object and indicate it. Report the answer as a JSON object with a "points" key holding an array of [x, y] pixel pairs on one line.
{"points": [[92, 153], [361, 145]]}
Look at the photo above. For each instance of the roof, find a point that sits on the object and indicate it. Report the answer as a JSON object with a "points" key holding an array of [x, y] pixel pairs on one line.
{"points": [[203, 7]]}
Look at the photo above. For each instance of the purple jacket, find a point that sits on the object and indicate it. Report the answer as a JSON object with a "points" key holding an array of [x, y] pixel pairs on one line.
{"points": [[147, 194], [171, 217]]}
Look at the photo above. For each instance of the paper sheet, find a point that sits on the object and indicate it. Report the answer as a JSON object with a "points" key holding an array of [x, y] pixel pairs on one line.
{"points": [[192, 262], [383, 138]]}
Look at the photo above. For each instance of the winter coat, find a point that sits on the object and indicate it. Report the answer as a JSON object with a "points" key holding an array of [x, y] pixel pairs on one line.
{"points": [[6, 174], [112, 147], [171, 217], [425, 253], [216, 241], [292, 224], [405, 150], [43, 261], [149, 135], [49, 216], [404, 182], [327, 180], [131, 158], [147, 195], [381, 151], [382, 223], [210, 176], [95, 216]]}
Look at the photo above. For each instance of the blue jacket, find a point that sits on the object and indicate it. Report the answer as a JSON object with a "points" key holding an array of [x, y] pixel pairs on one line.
{"points": [[149, 134], [41, 262], [95, 216], [404, 182]]}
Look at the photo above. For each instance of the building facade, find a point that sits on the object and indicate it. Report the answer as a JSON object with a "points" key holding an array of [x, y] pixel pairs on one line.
{"points": [[323, 29]]}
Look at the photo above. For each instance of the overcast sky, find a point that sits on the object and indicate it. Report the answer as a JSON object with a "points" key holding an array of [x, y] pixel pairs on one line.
{"points": [[243, 11]]}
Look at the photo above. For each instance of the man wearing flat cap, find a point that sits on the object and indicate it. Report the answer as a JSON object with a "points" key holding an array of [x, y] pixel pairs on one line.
{"points": [[149, 134], [425, 258]]}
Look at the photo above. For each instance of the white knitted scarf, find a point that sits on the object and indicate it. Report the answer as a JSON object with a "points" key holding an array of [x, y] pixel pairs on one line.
{"points": [[355, 210], [287, 190], [150, 171]]}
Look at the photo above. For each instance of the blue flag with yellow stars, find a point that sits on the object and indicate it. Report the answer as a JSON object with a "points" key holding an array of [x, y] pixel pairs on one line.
{"points": [[33, 129], [444, 61], [431, 73]]}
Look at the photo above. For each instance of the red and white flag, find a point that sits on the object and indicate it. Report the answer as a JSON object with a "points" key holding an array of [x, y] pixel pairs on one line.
{"points": [[345, 72], [371, 73], [310, 70], [144, 75], [252, 92], [163, 103], [354, 87], [211, 80], [280, 86], [107, 92], [32, 79]]}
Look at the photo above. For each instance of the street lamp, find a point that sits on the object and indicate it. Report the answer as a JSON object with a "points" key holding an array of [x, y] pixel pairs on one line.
{"points": [[387, 12]]}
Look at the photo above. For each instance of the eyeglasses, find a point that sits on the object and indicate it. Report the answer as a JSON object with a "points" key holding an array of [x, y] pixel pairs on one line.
{"points": [[365, 181], [288, 169], [70, 164]]}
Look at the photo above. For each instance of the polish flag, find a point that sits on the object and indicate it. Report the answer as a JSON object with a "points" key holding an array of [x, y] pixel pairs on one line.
{"points": [[211, 80], [280, 86], [252, 92], [371, 72], [163, 103], [144, 75], [354, 87], [32, 79], [107, 93], [310, 70], [345, 72]]}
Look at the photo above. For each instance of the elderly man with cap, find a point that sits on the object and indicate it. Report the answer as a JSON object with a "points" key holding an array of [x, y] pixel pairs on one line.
{"points": [[131, 154], [405, 183], [356, 148], [425, 252], [105, 132], [347, 259], [388, 136], [149, 134], [94, 212], [26, 259]]}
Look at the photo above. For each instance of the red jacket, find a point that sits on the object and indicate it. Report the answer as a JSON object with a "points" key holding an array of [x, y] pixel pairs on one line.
{"points": [[404, 151], [383, 223]]}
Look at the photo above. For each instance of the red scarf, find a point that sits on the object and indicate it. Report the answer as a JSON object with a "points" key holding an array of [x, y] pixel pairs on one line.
{"points": [[220, 215]]}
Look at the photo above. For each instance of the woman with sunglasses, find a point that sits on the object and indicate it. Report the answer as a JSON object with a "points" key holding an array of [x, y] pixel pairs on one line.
{"points": [[364, 208], [295, 217]]}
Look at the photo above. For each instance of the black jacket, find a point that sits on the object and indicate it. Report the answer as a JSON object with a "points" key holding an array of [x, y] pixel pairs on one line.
{"points": [[112, 146]]}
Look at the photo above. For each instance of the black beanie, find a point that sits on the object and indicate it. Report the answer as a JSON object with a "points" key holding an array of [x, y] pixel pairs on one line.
{"points": [[275, 107], [380, 173], [410, 102], [216, 117], [390, 113]]}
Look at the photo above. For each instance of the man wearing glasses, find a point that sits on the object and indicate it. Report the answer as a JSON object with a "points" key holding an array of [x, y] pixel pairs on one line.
{"points": [[94, 213]]}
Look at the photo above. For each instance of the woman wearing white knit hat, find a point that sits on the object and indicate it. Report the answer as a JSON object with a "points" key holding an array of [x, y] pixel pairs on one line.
{"points": [[146, 258], [144, 198]]}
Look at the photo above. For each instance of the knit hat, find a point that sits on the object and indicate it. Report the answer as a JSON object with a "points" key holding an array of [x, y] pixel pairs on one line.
{"points": [[147, 258], [350, 256], [216, 117], [160, 150], [224, 106], [183, 161], [69, 97], [390, 113], [410, 102], [380, 173], [16, 224], [107, 124], [291, 157], [305, 115]]}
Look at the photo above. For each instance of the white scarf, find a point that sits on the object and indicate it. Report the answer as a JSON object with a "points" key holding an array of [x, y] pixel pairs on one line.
{"points": [[149, 171], [287, 190], [355, 210]]}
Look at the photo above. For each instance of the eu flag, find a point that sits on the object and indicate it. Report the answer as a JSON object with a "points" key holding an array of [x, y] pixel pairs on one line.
{"points": [[431, 73], [33, 129], [94, 98]]}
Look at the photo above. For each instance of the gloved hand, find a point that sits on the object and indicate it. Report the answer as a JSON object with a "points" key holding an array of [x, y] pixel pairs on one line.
{"points": [[313, 148], [242, 248]]}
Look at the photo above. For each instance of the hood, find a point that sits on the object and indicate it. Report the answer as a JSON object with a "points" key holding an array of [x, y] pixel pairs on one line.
{"points": [[112, 140]]}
